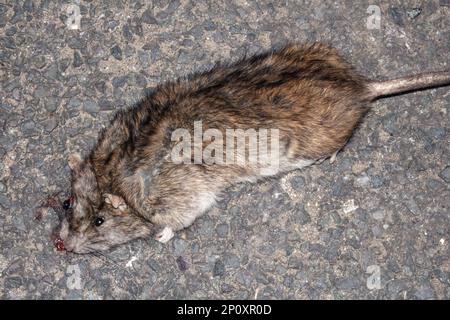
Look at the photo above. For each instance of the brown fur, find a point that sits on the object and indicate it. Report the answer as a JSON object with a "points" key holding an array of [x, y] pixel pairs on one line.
{"points": [[308, 92]]}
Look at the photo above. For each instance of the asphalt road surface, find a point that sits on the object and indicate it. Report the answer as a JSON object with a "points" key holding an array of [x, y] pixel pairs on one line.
{"points": [[374, 224]]}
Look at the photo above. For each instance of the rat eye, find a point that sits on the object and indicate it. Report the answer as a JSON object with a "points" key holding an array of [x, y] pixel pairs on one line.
{"points": [[68, 204], [98, 221]]}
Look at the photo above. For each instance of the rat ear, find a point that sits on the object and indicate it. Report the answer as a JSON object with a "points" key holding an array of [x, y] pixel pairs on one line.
{"points": [[116, 201], [74, 160]]}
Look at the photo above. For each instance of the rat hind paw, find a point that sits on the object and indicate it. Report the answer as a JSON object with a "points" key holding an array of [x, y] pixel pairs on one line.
{"points": [[164, 235]]}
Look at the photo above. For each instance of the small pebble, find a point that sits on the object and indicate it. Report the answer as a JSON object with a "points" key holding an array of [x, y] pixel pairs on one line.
{"points": [[116, 52], [182, 264], [219, 268], [414, 13], [77, 61], [378, 215], [445, 174]]}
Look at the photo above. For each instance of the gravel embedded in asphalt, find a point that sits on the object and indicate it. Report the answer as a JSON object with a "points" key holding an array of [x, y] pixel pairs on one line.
{"points": [[374, 224]]}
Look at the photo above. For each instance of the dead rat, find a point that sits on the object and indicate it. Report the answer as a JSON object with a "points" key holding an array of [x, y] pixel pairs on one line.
{"points": [[140, 179]]}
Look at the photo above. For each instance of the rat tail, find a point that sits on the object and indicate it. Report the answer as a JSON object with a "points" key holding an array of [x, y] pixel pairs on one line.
{"points": [[422, 81]]}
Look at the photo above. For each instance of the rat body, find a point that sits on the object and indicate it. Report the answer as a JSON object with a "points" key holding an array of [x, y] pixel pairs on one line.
{"points": [[129, 186]]}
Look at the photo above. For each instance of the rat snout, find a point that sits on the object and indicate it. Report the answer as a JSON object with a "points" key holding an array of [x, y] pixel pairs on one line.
{"points": [[75, 243], [59, 243], [67, 240], [59, 234]]}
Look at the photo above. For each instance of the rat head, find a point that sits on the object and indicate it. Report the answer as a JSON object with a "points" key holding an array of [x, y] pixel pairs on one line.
{"points": [[96, 221]]}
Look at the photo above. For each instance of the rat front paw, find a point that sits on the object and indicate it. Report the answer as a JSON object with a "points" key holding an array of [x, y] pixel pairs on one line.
{"points": [[164, 235]]}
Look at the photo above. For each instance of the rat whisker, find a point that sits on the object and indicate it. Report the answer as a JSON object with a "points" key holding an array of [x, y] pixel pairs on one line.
{"points": [[105, 258], [100, 256]]}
